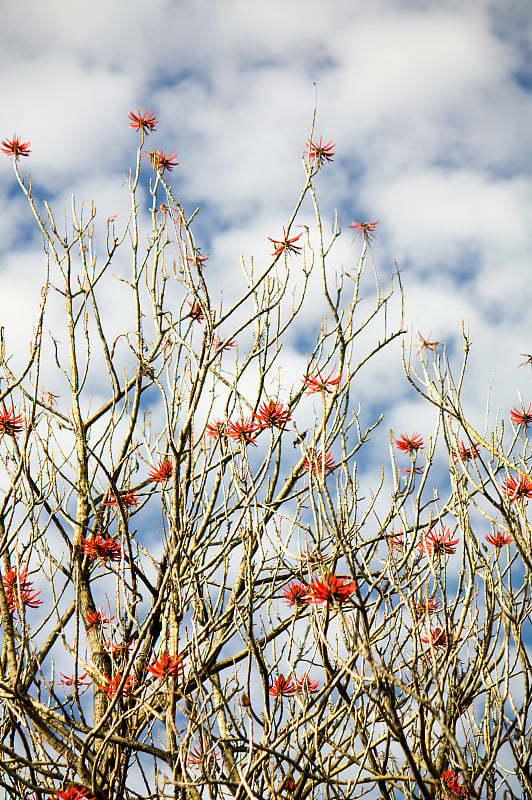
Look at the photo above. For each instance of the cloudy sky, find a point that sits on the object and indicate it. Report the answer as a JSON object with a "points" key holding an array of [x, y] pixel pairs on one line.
{"points": [[429, 105]]}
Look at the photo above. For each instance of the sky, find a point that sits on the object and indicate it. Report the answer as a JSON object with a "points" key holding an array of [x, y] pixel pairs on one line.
{"points": [[429, 106]]}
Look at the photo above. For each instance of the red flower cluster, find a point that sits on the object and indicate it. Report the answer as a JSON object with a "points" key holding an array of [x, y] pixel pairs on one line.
{"points": [[522, 417], [307, 686], [433, 543], [464, 453], [222, 344], [425, 605], [498, 539], [106, 549], [118, 649], [129, 500], [517, 489], [314, 462], [198, 758], [10, 424], [332, 588], [163, 472], [110, 686], [438, 638], [296, 594], [19, 590], [318, 152], [282, 687], [286, 245], [272, 415], [196, 311], [97, 619], [73, 793], [166, 667], [365, 229], [14, 147], [317, 383], [162, 162], [425, 344], [242, 431], [68, 680], [450, 781], [143, 122], [216, 429], [409, 444]]}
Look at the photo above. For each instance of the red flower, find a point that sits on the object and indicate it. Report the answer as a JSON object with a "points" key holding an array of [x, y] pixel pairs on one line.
{"points": [[517, 489], [286, 245], [110, 686], [282, 687], [242, 431], [106, 549], [306, 686], [425, 605], [49, 397], [216, 429], [314, 462], [129, 500], [498, 539], [365, 229], [14, 147], [521, 417], [395, 541], [19, 589], [167, 667], [10, 424], [450, 781], [119, 649], [68, 680], [433, 543], [97, 619], [332, 588], [161, 162], [314, 384], [197, 260], [425, 344], [438, 638], [409, 444], [143, 122], [222, 344], [197, 758], [164, 472], [463, 453], [272, 415], [412, 470], [73, 793], [296, 594], [319, 152]]}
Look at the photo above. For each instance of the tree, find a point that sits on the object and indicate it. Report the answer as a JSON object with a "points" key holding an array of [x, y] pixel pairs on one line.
{"points": [[240, 618]]}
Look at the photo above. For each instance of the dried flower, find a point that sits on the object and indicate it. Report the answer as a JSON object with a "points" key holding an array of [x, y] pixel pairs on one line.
{"points": [[49, 397], [129, 500], [296, 594], [433, 543], [110, 686], [306, 686], [282, 687], [14, 147], [409, 444], [365, 229], [464, 453], [314, 461], [143, 122], [166, 667], [425, 344], [332, 588], [97, 619], [438, 638], [521, 417], [216, 429], [106, 549], [286, 245], [319, 152], [517, 489], [272, 415], [163, 472], [288, 784], [10, 424], [242, 431], [19, 590], [196, 311], [498, 539], [450, 781], [317, 383]]}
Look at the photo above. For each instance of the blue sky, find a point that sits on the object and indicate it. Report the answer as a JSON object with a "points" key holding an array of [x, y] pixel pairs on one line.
{"points": [[429, 105]]}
